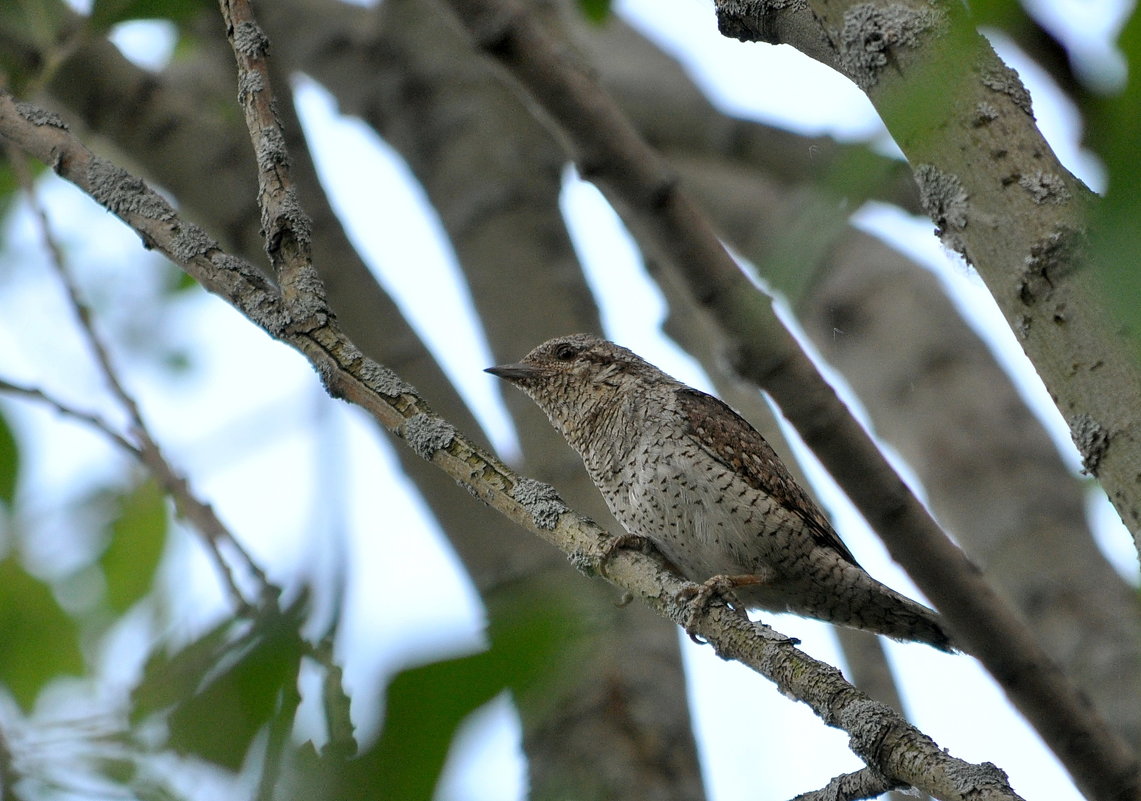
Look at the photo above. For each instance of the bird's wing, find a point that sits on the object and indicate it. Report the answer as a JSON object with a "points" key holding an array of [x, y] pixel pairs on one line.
{"points": [[728, 437]]}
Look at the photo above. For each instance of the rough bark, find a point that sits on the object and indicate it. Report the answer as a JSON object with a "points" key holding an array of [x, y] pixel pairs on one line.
{"points": [[997, 193]]}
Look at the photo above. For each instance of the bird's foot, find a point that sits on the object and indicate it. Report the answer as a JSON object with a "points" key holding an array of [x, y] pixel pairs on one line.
{"points": [[716, 589]]}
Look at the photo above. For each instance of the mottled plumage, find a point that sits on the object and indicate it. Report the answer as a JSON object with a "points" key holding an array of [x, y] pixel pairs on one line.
{"points": [[682, 469]]}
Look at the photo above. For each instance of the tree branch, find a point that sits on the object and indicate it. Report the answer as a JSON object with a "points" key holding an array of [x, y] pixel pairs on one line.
{"points": [[864, 783], [876, 733], [997, 193], [285, 226], [610, 153]]}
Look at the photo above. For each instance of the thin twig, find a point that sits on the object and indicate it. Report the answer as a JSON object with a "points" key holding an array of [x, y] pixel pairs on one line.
{"points": [[198, 513], [9, 774], [147, 450], [89, 418]]}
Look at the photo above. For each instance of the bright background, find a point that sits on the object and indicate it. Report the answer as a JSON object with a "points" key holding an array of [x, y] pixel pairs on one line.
{"points": [[247, 406]]}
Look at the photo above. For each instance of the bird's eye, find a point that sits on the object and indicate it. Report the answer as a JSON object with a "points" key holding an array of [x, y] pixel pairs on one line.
{"points": [[565, 352]]}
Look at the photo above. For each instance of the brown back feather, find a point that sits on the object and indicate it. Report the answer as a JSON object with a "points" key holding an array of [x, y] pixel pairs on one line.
{"points": [[728, 437]]}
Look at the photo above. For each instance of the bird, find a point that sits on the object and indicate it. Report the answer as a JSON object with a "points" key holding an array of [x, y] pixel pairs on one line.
{"points": [[681, 469]]}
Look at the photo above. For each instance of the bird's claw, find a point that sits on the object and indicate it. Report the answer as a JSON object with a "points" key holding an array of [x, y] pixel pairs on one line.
{"points": [[717, 589]]}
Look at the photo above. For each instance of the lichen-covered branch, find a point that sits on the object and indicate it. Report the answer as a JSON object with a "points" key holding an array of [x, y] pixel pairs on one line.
{"points": [[997, 193], [285, 225], [864, 783], [877, 734], [610, 153]]}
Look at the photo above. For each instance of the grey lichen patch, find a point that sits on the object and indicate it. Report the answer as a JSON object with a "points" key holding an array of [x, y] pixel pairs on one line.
{"points": [[304, 295], [190, 241], [38, 116], [249, 40], [427, 434], [250, 83], [864, 719], [384, 380], [944, 198], [1092, 440], [329, 375], [1050, 259], [985, 113], [1045, 187], [584, 562], [870, 32], [540, 500], [969, 779], [232, 277], [122, 193], [1001, 78], [1022, 325], [271, 150], [294, 216]]}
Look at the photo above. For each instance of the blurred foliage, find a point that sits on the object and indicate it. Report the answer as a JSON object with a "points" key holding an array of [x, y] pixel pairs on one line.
{"points": [[9, 463], [1116, 136], [106, 13], [9, 185], [425, 705], [221, 690], [595, 10], [39, 641], [138, 537]]}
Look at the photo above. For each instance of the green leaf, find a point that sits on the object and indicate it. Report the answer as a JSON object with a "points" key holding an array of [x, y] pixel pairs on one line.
{"points": [[425, 705], [138, 538], [105, 13], [9, 463], [219, 723], [38, 641], [595, 10], [10, 186], [1116, 135], [169, 678]]}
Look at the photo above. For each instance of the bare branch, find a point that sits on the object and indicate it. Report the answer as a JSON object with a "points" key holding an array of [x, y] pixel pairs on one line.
{"points": [[878, 734]]}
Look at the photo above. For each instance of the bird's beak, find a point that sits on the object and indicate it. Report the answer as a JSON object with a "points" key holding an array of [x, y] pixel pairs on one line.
{"points": [[513, 372]]}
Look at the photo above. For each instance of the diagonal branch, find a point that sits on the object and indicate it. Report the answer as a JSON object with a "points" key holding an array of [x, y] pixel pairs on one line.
{"points": [[610, 153], [879, 735]]}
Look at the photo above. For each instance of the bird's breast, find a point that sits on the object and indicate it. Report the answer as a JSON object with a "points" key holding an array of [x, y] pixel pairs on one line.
{"points": [[701, 515]]}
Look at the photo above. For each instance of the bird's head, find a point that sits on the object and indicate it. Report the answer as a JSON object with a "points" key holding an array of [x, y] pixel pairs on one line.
{"points": [[572, 377]]}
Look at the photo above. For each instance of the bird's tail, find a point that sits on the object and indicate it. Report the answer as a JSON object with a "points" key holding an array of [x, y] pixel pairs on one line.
{"points": [[866, 604]]}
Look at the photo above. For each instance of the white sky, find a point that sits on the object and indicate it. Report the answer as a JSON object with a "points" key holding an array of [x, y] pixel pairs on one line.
{"points": [[256, 406]]}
